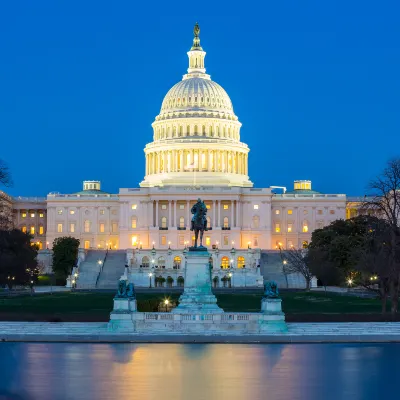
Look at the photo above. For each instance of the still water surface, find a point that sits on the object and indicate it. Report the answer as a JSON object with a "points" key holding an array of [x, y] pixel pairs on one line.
{"points": [[58, 371]]}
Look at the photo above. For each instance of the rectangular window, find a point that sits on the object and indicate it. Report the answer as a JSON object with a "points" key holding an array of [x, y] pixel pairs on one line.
{"points": [[332, 212], [290, 212], [72, 227], [226, 207], [134, 223], [163, 240], [289, 227], [101, 212], [23, 215], [114, 212], [277, 212], [181, 240], [163, 206], [319, 212], [208, 241], [24, 229], [59, 212], [134, 240], [181, 206], [255, 206], [87, 244], [114, 227], [72, 212], [134, 206], [226, 240], [86, 226], [320, 225], [305, 228], [41, 230], [32, 215], [208, 206], [32, 230], [255, 242], [59, 228], [277, 227], [102, 228], [41, 215]]}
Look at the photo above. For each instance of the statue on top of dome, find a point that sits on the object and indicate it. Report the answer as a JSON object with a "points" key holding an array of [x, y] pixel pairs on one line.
{"points": [[196, 30]]}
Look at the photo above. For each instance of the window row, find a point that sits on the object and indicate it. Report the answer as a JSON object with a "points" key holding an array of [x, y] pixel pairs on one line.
{"points": [[290, 227], [87, 212], [305, 212], [87, 227], [32, 214], [32, 230]]}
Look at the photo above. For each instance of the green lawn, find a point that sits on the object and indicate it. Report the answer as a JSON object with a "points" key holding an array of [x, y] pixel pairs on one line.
{"points": [[97, 306]]}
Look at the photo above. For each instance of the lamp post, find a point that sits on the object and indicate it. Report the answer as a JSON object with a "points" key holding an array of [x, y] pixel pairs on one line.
{"points": [[150, 275], [230, 279], [166, 302]]}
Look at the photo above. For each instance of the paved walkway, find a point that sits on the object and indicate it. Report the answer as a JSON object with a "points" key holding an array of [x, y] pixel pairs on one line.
{"points": [[357, 332]]}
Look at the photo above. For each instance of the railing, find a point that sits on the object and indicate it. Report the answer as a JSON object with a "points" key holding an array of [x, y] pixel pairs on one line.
{"points": [[101, 269], [225, 318]]}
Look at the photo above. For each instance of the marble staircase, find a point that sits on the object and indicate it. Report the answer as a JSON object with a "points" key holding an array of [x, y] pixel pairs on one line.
{"points": [[89, 269], [112, 270]]}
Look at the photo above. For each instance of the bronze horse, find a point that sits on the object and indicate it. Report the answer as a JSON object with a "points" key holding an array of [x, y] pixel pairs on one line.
{"points": [[199, 221]]}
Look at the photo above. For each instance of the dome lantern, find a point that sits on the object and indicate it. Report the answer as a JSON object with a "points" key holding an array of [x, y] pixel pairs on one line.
{"points": [[196, 55]]}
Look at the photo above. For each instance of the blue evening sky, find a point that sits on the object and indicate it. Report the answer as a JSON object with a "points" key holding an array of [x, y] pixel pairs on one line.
{"points": [[316, 85]]}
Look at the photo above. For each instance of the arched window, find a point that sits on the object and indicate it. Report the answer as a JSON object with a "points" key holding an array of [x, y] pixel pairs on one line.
{"points": [[177, 262], [256, 222], [181, 222], [305, 226], [208, 222], [145, 262], [225, 262], [23, 229], [86, 226], [134, 222], [241, 262], [161, 262], [163, 222], [226, 222]]}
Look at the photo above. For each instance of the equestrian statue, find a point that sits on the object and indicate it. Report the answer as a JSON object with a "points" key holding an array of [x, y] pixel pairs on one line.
{"points": [[199, 222]]}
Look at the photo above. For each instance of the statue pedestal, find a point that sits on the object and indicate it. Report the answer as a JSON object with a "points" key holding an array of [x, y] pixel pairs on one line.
{"points": [[272, 319], [197, 295], [121, 316]]}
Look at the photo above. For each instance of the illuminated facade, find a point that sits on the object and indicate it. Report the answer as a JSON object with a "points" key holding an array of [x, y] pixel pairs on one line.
{"points": [[196, 152]]}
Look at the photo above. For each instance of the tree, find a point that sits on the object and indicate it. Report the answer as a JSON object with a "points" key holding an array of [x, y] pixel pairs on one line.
{"points": [[295, 261], [385, 201], [18, 264], [65, 254], [6, 216]]}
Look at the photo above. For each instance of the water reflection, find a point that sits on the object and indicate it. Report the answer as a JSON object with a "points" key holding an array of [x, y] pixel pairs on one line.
{"points": [[40, 371]]}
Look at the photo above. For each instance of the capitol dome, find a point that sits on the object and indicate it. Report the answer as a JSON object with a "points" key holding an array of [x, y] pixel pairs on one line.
{"points": [[197, 94], [196, 138]]}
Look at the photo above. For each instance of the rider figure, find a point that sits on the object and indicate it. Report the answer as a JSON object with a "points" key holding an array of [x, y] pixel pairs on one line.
{"points": [[199, 208]]}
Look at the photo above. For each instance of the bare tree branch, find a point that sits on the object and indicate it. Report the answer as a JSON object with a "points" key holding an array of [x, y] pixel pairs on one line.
{"points": [[295, 261]]}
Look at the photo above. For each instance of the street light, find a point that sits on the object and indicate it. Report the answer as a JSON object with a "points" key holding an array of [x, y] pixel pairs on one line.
{"points": [[150, 275], [166, 302], [230, 279], [248, 245], [350, 281]]}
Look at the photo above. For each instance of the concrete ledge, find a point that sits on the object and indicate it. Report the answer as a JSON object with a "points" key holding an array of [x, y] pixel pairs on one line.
{"points": [[93, 332]]}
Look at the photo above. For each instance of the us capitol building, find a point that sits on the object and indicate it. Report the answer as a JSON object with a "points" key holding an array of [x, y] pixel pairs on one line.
{"points": [[196, 152]]}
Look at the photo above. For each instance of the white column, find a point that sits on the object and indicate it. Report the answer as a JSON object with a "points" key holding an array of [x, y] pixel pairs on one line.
{"points": [[219, 213], [169, 213], [237, 213], [181, 160], [232, 224], [214, 213], [174, 221], [156, 214], [187, 213]]}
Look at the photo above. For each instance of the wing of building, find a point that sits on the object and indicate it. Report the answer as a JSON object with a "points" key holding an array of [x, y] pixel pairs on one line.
{"points": [[196, 152]]}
